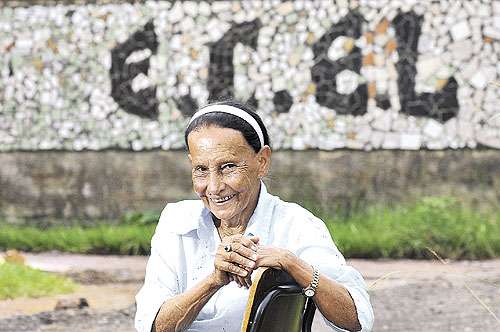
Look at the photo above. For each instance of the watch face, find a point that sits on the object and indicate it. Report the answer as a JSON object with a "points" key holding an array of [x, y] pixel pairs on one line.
{"points": [[309, 292]]}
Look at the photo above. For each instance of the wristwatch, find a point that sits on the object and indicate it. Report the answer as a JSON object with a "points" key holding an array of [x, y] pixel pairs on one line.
{"points": [[310, 290]]}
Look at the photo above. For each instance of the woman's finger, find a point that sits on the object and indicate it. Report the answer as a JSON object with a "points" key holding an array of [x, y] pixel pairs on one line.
{"points": [[231, 268], [240, 281], [250, 242], [235, 258], [244, 251], [248, 281]]}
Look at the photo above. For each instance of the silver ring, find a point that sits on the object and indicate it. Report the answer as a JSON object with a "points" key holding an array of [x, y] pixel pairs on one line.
{"points": [[227, 248]]}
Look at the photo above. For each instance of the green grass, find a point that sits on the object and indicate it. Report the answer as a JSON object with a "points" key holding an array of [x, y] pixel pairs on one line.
{"points": [[101, 239], [434, 224], [440, 224], [22, 281]]}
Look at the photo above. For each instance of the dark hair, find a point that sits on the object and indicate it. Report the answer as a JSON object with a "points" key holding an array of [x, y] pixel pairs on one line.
{"points": [[225, 120]]}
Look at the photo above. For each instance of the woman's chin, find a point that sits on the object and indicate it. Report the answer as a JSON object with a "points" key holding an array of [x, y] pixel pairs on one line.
{"points": [[221, 214]]}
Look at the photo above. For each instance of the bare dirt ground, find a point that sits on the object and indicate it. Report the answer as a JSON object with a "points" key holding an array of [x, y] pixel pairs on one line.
{"points": [[406, 295]]}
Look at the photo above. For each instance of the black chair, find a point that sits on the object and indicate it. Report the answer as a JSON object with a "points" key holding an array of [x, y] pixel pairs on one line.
{"points": [[276, 304]]}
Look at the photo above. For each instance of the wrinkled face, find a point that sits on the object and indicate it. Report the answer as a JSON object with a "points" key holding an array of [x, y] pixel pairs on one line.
{"points": [[226, 172]]}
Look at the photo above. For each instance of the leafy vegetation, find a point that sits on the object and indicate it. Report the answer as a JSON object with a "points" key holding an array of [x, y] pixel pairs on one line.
{"points": [[21, 281], [438, 224], [101, 239], [434, 224]]}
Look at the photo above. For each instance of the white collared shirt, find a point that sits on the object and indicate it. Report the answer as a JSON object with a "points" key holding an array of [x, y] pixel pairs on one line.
{"points": [[183, 252]]}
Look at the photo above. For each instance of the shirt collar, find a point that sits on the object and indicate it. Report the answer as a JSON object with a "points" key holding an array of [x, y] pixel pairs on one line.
{"points": [[260, 220]]}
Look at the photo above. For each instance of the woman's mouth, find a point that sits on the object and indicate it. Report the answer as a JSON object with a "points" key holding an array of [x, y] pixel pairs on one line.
{"points": [[222, 200]]}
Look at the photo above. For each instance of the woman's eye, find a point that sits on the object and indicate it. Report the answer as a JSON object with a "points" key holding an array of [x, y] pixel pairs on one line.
{"points": [[227, 167], [199, 169]]}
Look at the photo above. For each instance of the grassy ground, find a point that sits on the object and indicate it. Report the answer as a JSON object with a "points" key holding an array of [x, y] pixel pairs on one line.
{"points": [[124, 239], [441, 225], [22, 281]]}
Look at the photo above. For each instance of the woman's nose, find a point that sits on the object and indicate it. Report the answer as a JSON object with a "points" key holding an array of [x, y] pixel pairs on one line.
{"points": [[215, 184]]}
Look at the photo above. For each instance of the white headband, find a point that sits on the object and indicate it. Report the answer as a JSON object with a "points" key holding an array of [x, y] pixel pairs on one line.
{"points": [[234, 111]]}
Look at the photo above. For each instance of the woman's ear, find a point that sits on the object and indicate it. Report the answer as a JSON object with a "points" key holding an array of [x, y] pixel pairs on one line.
{"points": [[264, 160], [190, 158]]}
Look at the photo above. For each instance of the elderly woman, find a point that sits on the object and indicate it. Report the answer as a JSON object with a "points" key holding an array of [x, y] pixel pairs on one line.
{"points": [[204, 251]]}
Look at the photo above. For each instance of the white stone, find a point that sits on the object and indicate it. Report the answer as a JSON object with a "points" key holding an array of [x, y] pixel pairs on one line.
{"points": [[411, 141], [491, 32], [285, 8], [461, 50], [425, 43], [466, 130], [175, 13], [190, 8], [355, 145], [363, 133], [478, 80], [187, 24], [383, 122], [138, 56], [436, 145], [427, 66], [381, 39], [279, 83], [477, 98], [460, 31], [496, 7], [221, 6], [494, 120], [433, 129], [483, 10], [204, 8], [299, 5], [347, 81], [331, 141], [340, 126], [369, 73], [489, 72], [469, 69], [376, 140], [298, 143], [336, 49], [462, 14], [400, 124], [391, 141], [469, 7], [451, 128]]}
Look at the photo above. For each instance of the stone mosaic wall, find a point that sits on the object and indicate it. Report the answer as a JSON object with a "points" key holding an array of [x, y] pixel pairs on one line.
{"points": [[399, 74]]}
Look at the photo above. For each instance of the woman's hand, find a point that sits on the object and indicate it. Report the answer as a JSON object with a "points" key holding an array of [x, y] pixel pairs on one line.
{"points": [[269, 256], [238, 263]]}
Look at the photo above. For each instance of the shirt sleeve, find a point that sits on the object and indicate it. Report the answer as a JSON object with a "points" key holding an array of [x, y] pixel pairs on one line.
{"points": [[318, 248], [161, 280]]}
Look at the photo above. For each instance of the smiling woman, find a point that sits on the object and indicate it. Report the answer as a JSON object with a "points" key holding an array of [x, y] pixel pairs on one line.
{"points": [[226, 172], [204, 249]]}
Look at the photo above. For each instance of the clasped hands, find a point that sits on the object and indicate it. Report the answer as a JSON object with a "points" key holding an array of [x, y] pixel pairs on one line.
{"points": [[246, 255]]}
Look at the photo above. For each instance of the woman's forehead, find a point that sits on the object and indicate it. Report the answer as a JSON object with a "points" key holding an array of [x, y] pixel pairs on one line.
{"points": [[214, 142]]}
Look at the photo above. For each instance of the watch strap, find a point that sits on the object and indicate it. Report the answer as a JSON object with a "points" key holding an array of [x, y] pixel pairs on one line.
{"points": [[313, 285]]}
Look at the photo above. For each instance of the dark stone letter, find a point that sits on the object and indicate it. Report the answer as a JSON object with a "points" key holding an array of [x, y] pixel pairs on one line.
{"points": [[142, 103], [324, 71], [221, 71], [442, 105]]}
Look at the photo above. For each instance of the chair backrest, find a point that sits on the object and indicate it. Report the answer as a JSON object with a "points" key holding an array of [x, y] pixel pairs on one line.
{"points": [[276, 304]]}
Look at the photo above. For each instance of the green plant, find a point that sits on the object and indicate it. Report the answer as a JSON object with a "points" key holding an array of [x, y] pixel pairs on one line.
{"points": [[100, 239], [141, 218], [438, 223], [22, 281]]}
